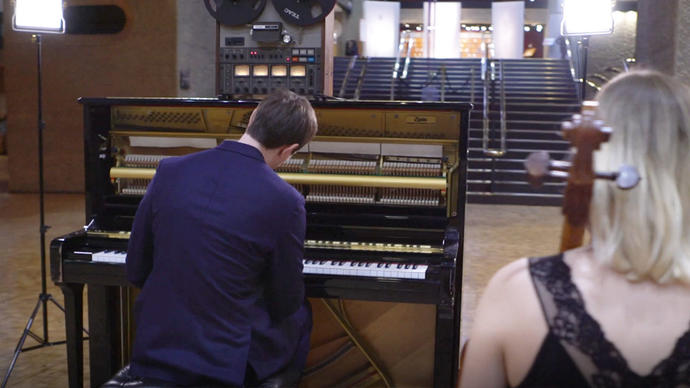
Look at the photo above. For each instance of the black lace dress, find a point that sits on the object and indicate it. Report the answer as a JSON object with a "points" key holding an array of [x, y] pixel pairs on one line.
{"points": [[575, 352]]}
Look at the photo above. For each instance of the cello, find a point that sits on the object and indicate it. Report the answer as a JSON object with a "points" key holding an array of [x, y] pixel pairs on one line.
{"points": [[585, 134]]}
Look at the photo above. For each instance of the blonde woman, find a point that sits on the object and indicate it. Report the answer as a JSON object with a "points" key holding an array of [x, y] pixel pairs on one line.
{"points": [[615, 313]]}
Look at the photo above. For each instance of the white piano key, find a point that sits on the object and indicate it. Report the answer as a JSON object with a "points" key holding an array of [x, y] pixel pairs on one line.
{"points": [[109, 256]]}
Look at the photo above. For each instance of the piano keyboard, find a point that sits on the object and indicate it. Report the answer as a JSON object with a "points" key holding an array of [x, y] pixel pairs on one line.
{"points": [[314, 266], [365, 269], [108, 256]]}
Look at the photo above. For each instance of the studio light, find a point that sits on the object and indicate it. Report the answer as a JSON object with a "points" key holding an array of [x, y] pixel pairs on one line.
{"points": [[587, 17], [39, 16], [582, 19]]}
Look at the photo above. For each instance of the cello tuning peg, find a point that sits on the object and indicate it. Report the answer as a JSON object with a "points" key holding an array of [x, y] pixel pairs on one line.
{"points": [[537, 163], [537, 166], [627, 177]]}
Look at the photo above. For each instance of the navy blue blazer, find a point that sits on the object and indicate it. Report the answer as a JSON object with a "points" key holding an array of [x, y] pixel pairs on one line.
{"points": [[216, 248]]}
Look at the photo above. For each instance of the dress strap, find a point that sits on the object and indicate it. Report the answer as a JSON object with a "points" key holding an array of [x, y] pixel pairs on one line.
{"points": [[581, 336]]}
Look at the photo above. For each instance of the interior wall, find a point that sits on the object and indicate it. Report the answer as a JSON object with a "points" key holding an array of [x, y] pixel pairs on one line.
{"points": [[682, 48], [196, 50], [138, 61], [350, 25]]}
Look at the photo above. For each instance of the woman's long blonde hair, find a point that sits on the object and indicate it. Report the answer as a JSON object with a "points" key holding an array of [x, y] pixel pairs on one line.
{"points": [[645, 232]]}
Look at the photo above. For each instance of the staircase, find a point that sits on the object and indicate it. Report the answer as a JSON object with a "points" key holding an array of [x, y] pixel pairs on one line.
{"points": [[539, 93]]}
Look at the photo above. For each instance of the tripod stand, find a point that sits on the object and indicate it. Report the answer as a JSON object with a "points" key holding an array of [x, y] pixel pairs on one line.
{"points": [[43, 297]]}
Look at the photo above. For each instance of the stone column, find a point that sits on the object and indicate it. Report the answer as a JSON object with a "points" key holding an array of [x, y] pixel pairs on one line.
{"points": [[382, 28], [508, 20], [196, 50], [553, 30], [663, 37], [682, 42], [655, 43], [444, 29]]}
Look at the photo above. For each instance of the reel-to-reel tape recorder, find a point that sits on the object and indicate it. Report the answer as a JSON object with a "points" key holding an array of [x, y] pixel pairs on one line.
{"points": [[261, 47]]}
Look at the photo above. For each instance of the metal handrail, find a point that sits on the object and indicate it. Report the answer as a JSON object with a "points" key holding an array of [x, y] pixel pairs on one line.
{"points": [[593, 85], [488, 78], [396, 66], [410, 43], [360, 79], [627, 62], [485, 104], [343, 85], [472, 84], [443, 82], [573, 70], [600, 77], [504, 125]]}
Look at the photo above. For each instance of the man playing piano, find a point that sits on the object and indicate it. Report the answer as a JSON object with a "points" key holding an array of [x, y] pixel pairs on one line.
{"points": [[216, 248]]}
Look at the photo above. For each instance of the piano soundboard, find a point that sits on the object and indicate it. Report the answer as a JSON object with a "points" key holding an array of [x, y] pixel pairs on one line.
{"points": [[384, 185]]}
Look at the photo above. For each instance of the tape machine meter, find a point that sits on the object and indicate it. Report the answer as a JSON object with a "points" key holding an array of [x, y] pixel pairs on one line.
{"points": [[262, 47]]}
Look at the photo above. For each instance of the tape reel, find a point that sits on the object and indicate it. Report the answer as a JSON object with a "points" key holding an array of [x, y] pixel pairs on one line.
{"points": [[235, 12], [303, 12]]}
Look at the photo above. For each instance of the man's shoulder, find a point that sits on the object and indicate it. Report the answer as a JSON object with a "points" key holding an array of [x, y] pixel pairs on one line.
{"points": [[179, 161], [285, 191]]}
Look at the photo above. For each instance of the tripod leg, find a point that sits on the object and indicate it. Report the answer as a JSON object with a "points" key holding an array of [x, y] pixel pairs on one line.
{"points": [[57, 304], [20, 344]]}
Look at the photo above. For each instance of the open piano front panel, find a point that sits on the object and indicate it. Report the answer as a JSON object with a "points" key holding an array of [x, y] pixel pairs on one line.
{"points": [[384, 184]]}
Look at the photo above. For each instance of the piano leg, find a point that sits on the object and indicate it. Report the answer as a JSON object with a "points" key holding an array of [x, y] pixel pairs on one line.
{"points": [[445, 352], [105, 353], [74, 308]]}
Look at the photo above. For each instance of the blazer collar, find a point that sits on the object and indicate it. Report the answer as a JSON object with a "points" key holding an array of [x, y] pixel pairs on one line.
{"points": [[241, 148]]}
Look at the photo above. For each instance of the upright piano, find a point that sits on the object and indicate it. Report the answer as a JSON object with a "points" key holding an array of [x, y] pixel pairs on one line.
{"points": [[384, 184]]}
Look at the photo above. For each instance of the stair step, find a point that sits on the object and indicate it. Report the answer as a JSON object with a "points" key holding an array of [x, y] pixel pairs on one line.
{"points": [[476, 174], [526, 116], [515, 199], [487, 186], [505, 164], [517, 134], [526, 144], [513, 153], [554, 126]]}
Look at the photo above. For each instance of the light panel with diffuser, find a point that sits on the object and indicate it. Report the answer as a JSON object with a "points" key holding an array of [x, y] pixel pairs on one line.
{"points": [[38, 16], [587, 17]]}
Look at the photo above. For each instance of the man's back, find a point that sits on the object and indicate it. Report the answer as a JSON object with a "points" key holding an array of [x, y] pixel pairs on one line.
{"points": [[224, 287]]}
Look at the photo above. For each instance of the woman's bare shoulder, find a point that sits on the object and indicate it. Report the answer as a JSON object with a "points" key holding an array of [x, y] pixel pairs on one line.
{"points": [[507, 330], [511, 278], [508, 295]]}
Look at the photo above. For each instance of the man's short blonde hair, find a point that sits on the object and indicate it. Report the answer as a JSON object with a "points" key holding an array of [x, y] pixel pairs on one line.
{"points": [[645, 232]]}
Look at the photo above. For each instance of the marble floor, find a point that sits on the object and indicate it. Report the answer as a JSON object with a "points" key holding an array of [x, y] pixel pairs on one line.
{"points": [[494, 235]]}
